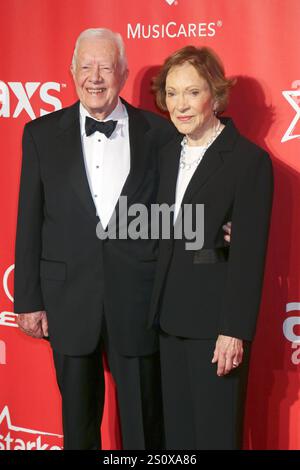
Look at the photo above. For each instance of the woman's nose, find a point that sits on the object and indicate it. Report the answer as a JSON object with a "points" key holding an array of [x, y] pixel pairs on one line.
{"points": [[181, 103]]}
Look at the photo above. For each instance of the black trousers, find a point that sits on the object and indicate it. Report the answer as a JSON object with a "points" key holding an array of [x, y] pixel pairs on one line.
{"points": [[81, 383], [201, 410]]}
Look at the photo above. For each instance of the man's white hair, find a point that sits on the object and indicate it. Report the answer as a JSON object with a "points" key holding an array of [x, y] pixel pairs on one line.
{"points": [[103, 33]]}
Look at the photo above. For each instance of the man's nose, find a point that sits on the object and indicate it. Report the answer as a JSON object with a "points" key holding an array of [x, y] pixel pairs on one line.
{"points": [[96, 75]]}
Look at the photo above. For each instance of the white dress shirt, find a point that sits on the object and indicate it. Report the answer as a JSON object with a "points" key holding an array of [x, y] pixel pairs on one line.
{"points": [[107, 161], [185, 175]]}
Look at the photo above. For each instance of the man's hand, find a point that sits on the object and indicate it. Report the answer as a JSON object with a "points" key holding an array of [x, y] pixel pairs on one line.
{"points": [[227, 230], [33, 324], [228, 354]]}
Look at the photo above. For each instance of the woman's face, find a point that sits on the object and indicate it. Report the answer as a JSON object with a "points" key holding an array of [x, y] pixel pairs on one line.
{"points": [[189, 101]]}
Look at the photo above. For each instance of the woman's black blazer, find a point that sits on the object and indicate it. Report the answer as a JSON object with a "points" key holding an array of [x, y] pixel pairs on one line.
{"points": [[217, 289]]}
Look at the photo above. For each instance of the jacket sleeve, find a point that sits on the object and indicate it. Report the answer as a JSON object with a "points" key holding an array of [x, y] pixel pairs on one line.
{"points": [[250, 227], [27, 289]]}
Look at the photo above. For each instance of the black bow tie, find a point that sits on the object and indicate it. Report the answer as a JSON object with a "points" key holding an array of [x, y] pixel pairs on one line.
{"points": [[107, 127]]}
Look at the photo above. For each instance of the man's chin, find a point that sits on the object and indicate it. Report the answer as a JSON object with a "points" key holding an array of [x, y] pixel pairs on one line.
{"points": [[97, 108]]}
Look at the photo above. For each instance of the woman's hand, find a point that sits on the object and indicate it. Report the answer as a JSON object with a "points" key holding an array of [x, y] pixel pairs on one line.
{"points": [[228, 354], [227, 230]]}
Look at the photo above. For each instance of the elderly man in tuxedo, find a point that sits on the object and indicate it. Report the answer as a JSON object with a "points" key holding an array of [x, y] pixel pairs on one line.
{"points": [[88, 294]]}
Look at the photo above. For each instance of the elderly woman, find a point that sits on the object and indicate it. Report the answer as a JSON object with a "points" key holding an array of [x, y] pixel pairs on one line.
{"points": [[206, 301]]}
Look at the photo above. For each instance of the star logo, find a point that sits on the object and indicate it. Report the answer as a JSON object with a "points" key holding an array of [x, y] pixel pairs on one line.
{"points": [[5, 416], [292, 97], [14, 437]]}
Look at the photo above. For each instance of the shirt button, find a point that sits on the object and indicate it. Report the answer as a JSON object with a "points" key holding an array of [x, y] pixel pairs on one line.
{"points": [[99, 140], [95, 195], [97, 166]]}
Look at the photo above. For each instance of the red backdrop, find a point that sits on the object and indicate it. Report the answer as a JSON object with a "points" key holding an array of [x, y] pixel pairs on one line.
{"points": [[258, 41]]}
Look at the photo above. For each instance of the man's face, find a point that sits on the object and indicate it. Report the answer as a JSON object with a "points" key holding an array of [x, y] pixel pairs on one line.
{"points": [[97, 76]]}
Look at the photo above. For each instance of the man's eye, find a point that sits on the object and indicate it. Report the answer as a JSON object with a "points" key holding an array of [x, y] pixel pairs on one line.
{"points": [[169, 93], [195, 93]]}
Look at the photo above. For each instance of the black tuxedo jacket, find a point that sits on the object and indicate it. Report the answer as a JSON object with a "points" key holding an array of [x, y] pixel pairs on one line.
{"points": [[60, 264], [216, 290]]}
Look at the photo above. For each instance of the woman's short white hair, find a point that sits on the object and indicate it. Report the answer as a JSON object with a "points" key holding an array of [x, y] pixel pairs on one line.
{"points": [[103, 33]]}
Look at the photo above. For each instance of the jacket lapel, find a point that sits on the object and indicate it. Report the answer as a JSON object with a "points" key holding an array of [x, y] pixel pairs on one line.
{"points": [[212, 160], [210, 163], [138, 127], [70, 142], [169, 171]]}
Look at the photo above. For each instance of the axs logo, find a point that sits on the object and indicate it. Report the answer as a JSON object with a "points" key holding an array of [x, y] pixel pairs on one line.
{"points": [[16, 97]]}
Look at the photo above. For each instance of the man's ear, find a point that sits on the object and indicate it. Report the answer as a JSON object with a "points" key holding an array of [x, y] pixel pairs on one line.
{"points": [[124, 77]]}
